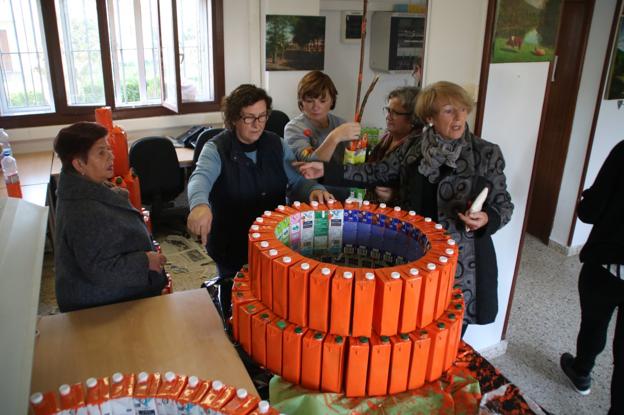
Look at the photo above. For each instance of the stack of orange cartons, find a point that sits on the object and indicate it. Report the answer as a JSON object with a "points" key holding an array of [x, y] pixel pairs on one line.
{"points": [[335, 328], [149, 393]]}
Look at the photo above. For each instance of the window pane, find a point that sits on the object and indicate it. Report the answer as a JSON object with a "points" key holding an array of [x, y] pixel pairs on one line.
{"points": [[135, 51], [24, 68], [80, 49], [195, 45], [170, 99]]}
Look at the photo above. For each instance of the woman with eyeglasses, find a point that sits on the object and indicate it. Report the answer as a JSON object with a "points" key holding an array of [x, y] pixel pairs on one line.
{"points": [[242, 172], [317, 134], [441, 173]]}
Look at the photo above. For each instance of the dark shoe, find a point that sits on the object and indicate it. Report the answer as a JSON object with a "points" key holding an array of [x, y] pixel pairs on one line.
{"points": [[580, 383]]}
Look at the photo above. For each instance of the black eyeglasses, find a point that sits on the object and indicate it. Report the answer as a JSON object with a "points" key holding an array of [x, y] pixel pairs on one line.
{"points": [[392, 113], [250, 119]]}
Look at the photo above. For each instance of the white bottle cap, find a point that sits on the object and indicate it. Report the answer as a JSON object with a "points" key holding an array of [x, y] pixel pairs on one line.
{"points": [[64, 389], [325, 271], [366, 203], [259, 219], [314, 203], [287, 260], [255, 235], [305, 266], [273, 252], [280, 207], [263, 407], [217, 385], [37, 398], [193, 382], [438, 226], [142, 377], [369, 276], [413, 271], [449, 251], [268, 212], [241, 393], [411, 213], [255, 227], [397, 208], [329, 202], [427, 219], [443, 259], [382, 205], [91, 383], [169, 376], [117, 377], [347, 275], [395, 275], [451, 242], [431, 266], [348, 200], [264, 244], [296, 203]]}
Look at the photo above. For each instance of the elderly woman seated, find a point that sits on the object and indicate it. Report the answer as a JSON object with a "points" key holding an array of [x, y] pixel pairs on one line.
{"points": [[103, 251]]}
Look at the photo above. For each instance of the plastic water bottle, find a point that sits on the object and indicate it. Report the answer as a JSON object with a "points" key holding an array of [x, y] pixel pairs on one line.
{"points": [[11, 178], [4, 143]]}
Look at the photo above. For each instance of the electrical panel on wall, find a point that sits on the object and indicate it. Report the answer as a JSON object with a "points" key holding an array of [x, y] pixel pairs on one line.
{"points": [[397, 41]]}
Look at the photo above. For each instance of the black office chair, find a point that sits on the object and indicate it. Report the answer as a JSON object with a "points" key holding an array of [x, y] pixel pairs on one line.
{"points": [[276, 122], [155, 161], [201, 140]]}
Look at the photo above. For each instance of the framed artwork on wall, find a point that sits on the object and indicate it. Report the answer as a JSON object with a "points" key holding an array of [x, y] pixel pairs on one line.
{"points": [[615, 82], [295, 43], [525, 30], [351, 27]]}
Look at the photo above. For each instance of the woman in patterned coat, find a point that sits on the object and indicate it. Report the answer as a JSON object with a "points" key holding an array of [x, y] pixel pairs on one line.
{"points": [[439, 174]]}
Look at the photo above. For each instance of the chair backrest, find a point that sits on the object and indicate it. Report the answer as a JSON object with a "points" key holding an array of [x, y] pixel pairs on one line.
{"points": [[202, 139], [155, 161], [276, 122]]}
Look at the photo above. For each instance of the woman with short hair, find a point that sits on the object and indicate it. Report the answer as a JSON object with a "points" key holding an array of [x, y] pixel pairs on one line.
{"points": [[103, 251]]}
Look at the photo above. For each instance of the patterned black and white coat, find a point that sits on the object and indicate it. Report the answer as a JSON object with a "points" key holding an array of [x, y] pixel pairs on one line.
{"points": [[480, 164]]}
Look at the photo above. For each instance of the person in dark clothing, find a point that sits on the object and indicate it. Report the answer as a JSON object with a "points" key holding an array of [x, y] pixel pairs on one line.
{"points": [[103, 252], [601, 281], [240, 173]]}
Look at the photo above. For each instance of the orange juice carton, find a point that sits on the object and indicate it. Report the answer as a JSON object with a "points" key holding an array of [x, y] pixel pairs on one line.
{"points": [[217, 397], [379, 369], [363, 302], [254, 263], [294, 225], [241, 404], [275, 333], [365, 220], [280, 275], [145, 388], [400, 363], [321, 228], [357, 367], [429, 291], [259, 322], [458, 309], [336, 222], [445, 279], [307, 233], [72, 399], [311, 359], [121, 391], [264, 408], [282, 225], [333, 363], [98, 396], [341, 295], [318, 307], [454, 336], [238, 298], [44, 403], [420, 358], [266, 272], [388, 292], [439, 341], [298, 289], [378, 227], [350, 223], [192, 394], [410, 301], [291, 352], [245, 313], [171, 386]]}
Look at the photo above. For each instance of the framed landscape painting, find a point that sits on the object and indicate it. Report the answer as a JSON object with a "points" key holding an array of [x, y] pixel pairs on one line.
{"points": [[295, 43]]}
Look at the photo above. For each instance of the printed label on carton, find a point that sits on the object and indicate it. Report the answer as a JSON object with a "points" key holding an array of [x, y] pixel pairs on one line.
{"points": [[336, 220], [321, 231], [307, 233]]}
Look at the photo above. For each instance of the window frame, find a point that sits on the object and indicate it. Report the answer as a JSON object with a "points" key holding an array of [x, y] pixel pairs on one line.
{"points": [[65, 114]]}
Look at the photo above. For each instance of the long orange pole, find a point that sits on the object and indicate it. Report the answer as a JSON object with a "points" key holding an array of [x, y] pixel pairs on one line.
{"points": [[362, 44]]}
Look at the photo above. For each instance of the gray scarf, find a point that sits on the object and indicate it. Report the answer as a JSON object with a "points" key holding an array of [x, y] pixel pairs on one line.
{"points": [[438, 151]]}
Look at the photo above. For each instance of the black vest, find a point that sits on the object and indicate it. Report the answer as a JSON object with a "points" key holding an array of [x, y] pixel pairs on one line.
{"points": [[242, 192]]}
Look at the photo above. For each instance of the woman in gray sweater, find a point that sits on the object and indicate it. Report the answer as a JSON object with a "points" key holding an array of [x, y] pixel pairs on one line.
{"points": [[103, 251]]}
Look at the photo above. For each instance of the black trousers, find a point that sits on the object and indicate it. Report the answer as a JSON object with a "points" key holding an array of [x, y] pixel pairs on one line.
{"points": [[601, 293]]}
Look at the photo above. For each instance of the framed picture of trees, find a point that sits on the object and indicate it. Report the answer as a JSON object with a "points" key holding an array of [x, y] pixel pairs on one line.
{"points": [[295, 43], [615, 86], [526, 30]]}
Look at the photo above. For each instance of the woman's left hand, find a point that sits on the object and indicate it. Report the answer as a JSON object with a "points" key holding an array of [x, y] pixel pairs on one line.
{"points": [[321, 196], [474, 220]]}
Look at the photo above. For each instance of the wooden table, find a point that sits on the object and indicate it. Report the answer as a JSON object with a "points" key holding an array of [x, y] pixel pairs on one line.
{"points": [[181, 332], [33, 193], [33, 168]]}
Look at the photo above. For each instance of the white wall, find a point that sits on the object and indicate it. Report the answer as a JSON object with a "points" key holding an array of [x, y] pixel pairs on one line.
{"points": [[513, 108], [597, 47]]}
